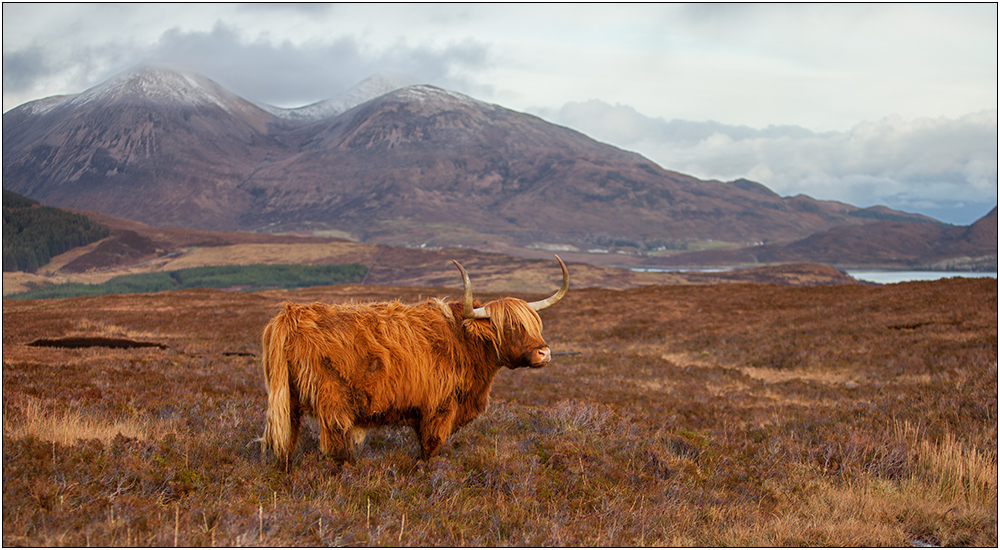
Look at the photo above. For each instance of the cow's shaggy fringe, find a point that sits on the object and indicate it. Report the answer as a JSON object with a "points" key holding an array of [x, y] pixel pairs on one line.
{"points": [[360, 366], [504, 313]]}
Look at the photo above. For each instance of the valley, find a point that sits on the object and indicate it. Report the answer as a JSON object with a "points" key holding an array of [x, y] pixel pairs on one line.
{"points": [[135, 248]]}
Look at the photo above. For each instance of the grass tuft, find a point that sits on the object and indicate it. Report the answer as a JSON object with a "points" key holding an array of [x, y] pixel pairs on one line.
{"points": [[32, 419]]}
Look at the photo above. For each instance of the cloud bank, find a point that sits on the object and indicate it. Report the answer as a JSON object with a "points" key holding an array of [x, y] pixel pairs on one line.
{"points": [[946, 168], [280, 73]]}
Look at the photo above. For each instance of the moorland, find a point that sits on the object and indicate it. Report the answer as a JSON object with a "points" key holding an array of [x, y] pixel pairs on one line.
{"points": [[673, 414]]}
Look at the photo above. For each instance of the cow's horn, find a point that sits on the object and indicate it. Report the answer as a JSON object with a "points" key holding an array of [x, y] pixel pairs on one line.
{"points": [[470, 312], [542, 304]]}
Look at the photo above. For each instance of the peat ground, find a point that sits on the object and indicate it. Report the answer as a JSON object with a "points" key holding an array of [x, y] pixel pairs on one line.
{"points": [[715, 414]]}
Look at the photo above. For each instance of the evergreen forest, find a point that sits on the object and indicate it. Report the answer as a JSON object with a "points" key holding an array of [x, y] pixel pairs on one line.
{"points": [[33, 234]]}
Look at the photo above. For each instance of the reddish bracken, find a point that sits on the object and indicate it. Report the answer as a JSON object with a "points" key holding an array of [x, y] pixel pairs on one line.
{"points": [[429, 366]]}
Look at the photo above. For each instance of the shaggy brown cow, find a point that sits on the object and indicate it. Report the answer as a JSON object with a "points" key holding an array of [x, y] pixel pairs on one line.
{"points": [[429, 366]]}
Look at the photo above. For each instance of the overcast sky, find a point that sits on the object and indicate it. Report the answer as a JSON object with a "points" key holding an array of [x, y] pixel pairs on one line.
{"points": [[890, 104]]}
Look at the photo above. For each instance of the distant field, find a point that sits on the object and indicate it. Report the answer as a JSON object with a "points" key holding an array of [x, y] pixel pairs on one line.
{"points": [[247, 278]]}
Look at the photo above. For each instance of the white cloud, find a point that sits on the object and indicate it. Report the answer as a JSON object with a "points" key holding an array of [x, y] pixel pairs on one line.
{"points": [[940, 166]]}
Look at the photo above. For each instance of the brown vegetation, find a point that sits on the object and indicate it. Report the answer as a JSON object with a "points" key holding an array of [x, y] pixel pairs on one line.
{"points": [[121, 248], [731, 414]]}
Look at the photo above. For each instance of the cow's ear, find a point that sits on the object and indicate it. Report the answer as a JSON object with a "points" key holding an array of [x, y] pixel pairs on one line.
{"points": [[478, 328]]}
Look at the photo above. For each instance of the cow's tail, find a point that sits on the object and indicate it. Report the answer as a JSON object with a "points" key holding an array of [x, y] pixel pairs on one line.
{"points": [[280, 432]]}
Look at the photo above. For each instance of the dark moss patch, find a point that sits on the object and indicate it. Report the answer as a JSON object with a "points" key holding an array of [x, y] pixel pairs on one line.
{"points": [[93, 342]]}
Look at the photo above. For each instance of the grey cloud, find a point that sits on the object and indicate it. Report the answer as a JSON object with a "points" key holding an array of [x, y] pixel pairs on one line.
{"points": [[946, 168], [279, 73], [29, 71], [302, 8], [622, 124], [22, 68], [445, 67], [291, 75]]}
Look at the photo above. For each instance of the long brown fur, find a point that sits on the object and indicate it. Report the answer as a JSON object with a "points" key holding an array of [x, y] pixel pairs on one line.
{"points": [[361, 366]]}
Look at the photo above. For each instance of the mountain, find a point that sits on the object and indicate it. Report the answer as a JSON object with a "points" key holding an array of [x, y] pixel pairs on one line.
{"points": [[422, 156], [152, 145], [898, 244], [417, 165]]}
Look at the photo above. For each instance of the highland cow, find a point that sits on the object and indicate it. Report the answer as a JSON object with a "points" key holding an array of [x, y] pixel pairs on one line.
{"points": [[429, 366]]}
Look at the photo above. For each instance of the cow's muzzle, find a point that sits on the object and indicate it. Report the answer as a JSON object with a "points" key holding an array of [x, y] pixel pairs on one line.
{"points": [[539, 357]]}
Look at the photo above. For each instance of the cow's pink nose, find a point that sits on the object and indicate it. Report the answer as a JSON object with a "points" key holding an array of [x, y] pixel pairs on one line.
{"points": [[541, 356]]}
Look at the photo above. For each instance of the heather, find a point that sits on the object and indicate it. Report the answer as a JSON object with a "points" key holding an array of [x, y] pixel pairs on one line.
{"points": [[722, 414]]}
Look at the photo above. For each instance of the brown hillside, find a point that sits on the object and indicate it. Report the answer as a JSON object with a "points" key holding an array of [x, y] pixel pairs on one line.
{"points": [[984, 231], [883, 243], [977, 239], [123, 247]]}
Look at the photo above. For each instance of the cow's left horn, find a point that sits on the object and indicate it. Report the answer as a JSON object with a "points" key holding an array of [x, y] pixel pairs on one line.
{"points": [[468, 311], [542, 304]]}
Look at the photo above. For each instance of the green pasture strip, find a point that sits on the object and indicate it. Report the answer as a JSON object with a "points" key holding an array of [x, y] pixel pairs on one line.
{"points": [[248, 278]]}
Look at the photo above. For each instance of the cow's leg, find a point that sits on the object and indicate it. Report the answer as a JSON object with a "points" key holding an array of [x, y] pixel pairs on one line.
{"points": [[434, 428], [336, 417], [295, 418], [358, 436], [335, 442]]}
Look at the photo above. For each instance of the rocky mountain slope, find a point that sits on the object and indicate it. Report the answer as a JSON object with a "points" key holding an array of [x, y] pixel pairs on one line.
{"points": [[418, 165]]}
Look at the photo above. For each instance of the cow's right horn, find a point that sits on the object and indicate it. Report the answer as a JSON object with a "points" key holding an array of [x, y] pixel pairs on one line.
{"points": [[542, 304], [468, 311]]}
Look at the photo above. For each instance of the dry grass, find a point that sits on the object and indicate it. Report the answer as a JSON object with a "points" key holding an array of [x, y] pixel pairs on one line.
{"points": [[950, 470], [65, 428], [257, 253], [743, 415]]}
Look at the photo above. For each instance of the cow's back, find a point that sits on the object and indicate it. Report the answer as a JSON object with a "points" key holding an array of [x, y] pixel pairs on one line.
{"points": [[375, 358]]}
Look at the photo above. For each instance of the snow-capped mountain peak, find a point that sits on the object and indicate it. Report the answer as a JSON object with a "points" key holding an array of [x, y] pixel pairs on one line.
{"points": [[163, 86], [423, 93], [366, 90]]}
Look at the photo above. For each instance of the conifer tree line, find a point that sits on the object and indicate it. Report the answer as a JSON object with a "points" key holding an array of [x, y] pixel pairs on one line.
{"points": [[33, 234]]}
